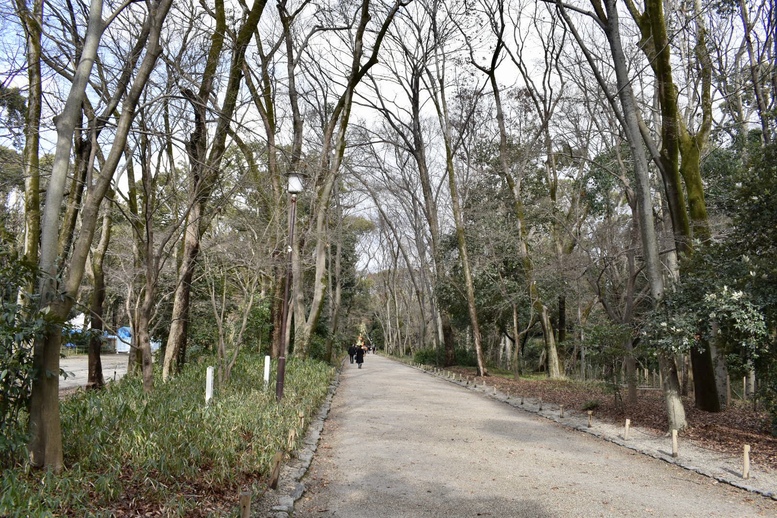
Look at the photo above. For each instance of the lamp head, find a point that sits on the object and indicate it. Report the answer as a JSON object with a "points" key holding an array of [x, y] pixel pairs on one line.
{"points": [[294, 185]]}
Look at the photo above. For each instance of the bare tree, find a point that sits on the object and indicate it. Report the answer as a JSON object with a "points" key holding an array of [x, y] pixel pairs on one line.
{"points": [[205, 161], [606, 17], [46, 436], [335, 120]]}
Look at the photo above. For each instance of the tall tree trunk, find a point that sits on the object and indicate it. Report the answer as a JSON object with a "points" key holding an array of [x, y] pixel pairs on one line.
{"points": [[631, 372], [179, 320], [681, 156], [45, 444], [562, 318], [95, 377], [32, 21], [675, 410], [206, 165]]}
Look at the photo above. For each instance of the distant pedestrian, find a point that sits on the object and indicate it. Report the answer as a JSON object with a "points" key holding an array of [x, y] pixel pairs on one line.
{"points": [[352, 352], [360, 355]]}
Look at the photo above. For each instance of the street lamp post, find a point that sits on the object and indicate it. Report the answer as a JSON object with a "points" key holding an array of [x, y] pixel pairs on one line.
{"points": [[294, 187]]}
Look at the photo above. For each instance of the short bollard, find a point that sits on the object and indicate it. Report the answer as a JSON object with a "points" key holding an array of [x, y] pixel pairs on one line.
{"points": [[674, 444], [626, 430], [291, 442], [561, 411], [746, 463], [276, 470], [267, 362], [245, 504], [540, 405], [590, 416], [208, 385]]}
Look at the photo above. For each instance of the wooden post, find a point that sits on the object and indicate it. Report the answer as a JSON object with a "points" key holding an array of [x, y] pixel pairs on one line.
{"points": [[626, 430], [590, 416], [245, 504], [540, 405], [746, 465], [522, 400], [561, 411], [744, 387], [266, 371], [495, 391], [674, 444], [276, 470]]}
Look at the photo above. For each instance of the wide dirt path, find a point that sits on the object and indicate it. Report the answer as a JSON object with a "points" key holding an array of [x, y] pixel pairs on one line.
{"points": [[401, 443]]}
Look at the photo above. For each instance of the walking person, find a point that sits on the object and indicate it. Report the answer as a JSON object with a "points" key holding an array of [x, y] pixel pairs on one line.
{"points": [[360, 355], [352, 352]]}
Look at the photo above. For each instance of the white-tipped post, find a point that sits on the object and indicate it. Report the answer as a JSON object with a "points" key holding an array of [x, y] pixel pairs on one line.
{"points": [[209, 385], [746, 464], [626, 430], [266, 371]]}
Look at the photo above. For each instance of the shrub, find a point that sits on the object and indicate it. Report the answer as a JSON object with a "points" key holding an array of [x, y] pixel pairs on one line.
{"points": [[427, 356], [18, 328], [123, 444], [466, 357]]}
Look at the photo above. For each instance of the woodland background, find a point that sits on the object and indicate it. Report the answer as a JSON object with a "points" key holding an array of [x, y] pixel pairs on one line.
{"points": [[582, 189]]}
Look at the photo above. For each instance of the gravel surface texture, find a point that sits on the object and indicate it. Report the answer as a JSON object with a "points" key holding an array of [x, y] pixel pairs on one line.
{"points": [[397, 441], [77, 368]]}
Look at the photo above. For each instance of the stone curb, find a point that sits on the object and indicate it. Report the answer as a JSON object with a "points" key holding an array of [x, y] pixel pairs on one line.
{"points": [[290, 485], [576, 421]]}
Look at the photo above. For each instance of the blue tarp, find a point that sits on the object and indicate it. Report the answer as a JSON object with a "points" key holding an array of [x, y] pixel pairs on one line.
{"points": [[124, 335]]}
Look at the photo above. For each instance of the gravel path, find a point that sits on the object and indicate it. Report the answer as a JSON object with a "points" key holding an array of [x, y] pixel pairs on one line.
{"points": [[401, 443], [77, 368]]}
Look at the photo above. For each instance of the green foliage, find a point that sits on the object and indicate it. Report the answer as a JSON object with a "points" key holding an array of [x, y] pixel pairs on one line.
{"points": [[466, 357], [13, 107], [122, 443], [722, 313], [317, 350], [605, 342], [432, 356], [18, 328], [428, 356], [601, 184], [591, 405]]}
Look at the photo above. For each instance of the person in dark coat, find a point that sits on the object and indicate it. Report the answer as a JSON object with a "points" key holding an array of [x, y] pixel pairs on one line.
{"points": [[352, 352], [360, 355]]}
